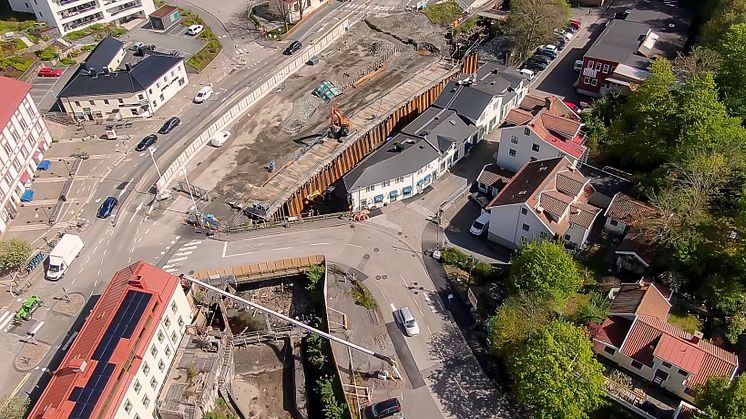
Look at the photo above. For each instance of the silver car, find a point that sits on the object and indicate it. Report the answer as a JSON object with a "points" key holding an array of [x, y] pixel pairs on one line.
{"points": [[406, 319]]}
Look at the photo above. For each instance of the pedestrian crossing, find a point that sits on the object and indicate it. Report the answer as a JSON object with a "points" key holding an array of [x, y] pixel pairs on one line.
{"points": [[377, 8], [5, 319], [181, 255]]}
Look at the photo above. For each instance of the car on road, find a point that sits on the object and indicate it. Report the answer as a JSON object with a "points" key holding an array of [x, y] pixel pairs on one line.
{"points": [[203, 94], [479, 226], [577, 65], [384, 409], [136, 46], [195, 29], [50, 72], [146, 142], [107, 207], [294, 47], [406, 319], [169, 126]]}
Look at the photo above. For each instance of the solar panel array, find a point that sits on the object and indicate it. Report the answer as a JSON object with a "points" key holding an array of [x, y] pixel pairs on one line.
{"points": [[122, 326]]}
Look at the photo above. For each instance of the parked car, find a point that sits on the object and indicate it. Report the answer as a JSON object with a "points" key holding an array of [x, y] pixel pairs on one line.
{"points": [[547, 53], [313, 60], [107, 207], [294, 47], [575, 23], [479, 226], [384, 409], [220, 138], [406, 319], [536, 65], [203, 94], [541, 58], [527, 73], [136, 46], [50, 72], [565, 34], [560, 42], [146, 142], [577, 65], [169, 126], [549, 47], [575, 108], [195, 29]]}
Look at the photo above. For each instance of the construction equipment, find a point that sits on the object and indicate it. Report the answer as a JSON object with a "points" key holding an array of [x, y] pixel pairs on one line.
{"points": [[339, 126], [28, 308]]}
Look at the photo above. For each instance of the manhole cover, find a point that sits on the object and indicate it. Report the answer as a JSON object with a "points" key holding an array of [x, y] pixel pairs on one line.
{"points": [[366, 256], [398, 234], [375, 250], [384, 276], [378, 277]]}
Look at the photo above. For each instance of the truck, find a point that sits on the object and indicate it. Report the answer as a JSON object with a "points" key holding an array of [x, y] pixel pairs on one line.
{"points": [[63, 254]]}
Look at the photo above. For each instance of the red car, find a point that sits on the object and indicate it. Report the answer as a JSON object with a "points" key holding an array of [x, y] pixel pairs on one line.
{"points": [[575, 23], [573, 107], [50, 72]]}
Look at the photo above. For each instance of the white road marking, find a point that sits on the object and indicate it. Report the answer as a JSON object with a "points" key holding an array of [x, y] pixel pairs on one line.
{"points": [[393, 307], [139, 207], [170, 270], [194, 243], [189, 247], [94, 250], [418, 307], [163, 253], [402, 280], [237, 254], [178, 237], [318, 244], [37, 327], [177, 259], [5, 319], [147, 231], [280, 248], [353, 245], [225, 248], [171, 265], [105, 249], [173, 241], [73, 280], [183, 253]]}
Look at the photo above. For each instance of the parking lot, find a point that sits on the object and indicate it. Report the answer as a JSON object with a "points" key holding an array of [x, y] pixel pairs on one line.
{"points": [[173, 39], [44, 90]]}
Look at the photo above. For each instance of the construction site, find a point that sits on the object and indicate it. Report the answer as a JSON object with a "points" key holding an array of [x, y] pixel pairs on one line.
{"points": [[376, 77]]}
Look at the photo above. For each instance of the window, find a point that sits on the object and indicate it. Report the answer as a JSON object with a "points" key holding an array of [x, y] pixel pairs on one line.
{"points": [[666, 364], [153, 351], [524, 211], [22, 123], [121, 101], [587, 80], [535, 147], [514, 139], [133, 112], [92, 102], [77, 103], [160, 336], [145, 368], [167, 322], [590, 63], [106, 101], [181, 81], [525, 227], [614, 222], [386, 183], [161, 97], [161, 365], [174, 337], [180, 321], [137, 386], [689, 391], [150, 90], [594, 82], [511, 152], [168, 351], [153, 383], [399, 179], [172, 73], [370, 188], [127, 406], [636, 364], [567, 237], [141, 96], [173, 307], [543, 234], [526, 131], [158, 85], [598, 66], [145, 400], [682, 372], [165, 79], [609, 350], [606, 68]]}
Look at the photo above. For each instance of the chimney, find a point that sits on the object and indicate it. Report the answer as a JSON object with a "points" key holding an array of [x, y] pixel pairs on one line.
{"points": [[696, 337], [128, 66], [548, 102], [78, 365]]}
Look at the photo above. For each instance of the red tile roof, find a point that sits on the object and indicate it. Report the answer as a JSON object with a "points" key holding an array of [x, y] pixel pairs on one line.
{"points": [[641, 298], [55, 400], [493, 175], [14, 91], [613, 331], [649, 337], [583, 214], [626, 209], [518, 117]]}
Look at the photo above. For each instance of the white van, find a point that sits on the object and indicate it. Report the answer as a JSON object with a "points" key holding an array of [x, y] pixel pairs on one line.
{"points": [[220, 138], [528, 73], [406, 319], [203, 94], [479, 226]]}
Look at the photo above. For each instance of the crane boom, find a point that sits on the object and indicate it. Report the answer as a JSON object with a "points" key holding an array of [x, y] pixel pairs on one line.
{"points": [[294, 322]]}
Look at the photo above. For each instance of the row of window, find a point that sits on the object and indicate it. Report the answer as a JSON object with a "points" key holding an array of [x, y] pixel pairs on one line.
{"points": [[592, 81], [384, 184], [638, 365], [605, 69]]}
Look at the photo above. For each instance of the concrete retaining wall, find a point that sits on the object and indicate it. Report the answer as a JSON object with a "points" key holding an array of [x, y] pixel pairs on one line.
{"points": [[254, 97]]}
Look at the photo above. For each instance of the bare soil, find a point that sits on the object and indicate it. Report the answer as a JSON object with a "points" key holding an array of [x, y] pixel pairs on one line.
{"points": [[259, 383]]}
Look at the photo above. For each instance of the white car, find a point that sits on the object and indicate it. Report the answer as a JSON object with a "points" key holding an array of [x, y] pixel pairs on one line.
{"points": [[578, 65], [406, 319], [479, 226], [220, 138], [203, 94], [195, 29], [527, 73], [549, 47]]}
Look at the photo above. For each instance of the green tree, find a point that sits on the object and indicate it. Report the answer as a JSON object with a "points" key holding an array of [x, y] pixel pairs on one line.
{"points": [[719, 400], [13, 253], [596, 309], [532, 22], [700, 59], [732, 72], [544, 269], [14, 407], [726, 14], [332, 408], [557, 374], [517, 317], [315, 276]]}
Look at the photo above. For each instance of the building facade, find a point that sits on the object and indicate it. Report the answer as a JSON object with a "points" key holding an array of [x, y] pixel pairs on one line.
{"points": [[71, 15], [117, 364], [24, 139], [295, 10]]}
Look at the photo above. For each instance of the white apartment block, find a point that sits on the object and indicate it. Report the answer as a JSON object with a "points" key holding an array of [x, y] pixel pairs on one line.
{"points": [[24, 139], [71, 15], [295, 9]]}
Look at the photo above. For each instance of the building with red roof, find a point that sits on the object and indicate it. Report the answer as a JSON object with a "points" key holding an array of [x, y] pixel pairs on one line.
{"points": [[540, 128], [24, 137], [118, 362], [544, 200], [637, 337]]}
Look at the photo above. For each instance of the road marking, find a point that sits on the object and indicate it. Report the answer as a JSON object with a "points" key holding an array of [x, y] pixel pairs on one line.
{"points": [[36, 328], [280, 248], [183, 253], [188, 247], [173, 241], [147, 231], [171, 266], [177, 259], [393, 307], [237, 254], [139, 207], [318, 244], [170, 270], [418, 307], [6, 319], [225, 248], [94, 249], [402, 280], [194, 243], [105, 249], [354, 245], [15, 391]]}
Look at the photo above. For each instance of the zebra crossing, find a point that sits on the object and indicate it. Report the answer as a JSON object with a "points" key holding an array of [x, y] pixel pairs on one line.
{"points": [[5, 319], [181, 255], [376, 9]]}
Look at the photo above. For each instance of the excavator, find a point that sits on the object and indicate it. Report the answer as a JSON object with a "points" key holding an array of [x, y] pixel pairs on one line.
{"points": [[339, 126]]}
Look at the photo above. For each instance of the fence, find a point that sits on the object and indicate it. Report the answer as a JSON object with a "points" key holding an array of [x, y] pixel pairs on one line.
{"points": [[259, 93], [344, 215]]}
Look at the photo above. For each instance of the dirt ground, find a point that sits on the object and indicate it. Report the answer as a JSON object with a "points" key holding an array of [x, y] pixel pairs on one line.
{"points": [[259, 384], [291, 118], [288, 299]]}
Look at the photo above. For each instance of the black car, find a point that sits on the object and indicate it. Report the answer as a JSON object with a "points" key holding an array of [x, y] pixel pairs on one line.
{"points": [[536, 65], [146, 142], [541, 58], [294, 47], [105, 210], [169, 126], [383, 409], [560, 43], [547, 53]]}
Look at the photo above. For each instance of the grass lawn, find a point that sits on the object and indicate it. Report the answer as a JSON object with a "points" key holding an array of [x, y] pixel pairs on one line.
{"points": [[684, 320], [443, 13], [467, 25]]}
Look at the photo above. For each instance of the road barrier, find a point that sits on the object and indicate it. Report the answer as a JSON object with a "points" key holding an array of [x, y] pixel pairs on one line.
{"points": [[254, 97]]}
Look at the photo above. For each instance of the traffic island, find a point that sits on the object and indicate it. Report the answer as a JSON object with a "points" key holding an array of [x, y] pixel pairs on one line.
{"points": [[31, 355], [70, 305]]}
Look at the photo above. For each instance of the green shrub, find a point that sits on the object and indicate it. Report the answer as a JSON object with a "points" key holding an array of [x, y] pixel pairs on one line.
{"points": [[33, 37], [68, 61], [455, 257], [363, 297], [47, 54], [88, 47], [315, 276], [443, 13], [20, 64]]}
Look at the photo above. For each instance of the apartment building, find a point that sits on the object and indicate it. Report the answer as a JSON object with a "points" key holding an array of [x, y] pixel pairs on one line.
{"points": [[295, 10], [24, 139], [108, 86], [73, 15], [119, 361]]}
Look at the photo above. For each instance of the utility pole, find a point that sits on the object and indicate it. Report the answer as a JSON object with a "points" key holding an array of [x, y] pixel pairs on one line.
{"points": [[155, 163], [197, 215]]}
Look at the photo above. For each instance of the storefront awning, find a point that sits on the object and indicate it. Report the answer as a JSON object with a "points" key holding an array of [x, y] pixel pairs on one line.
{"points": [[25, 177], [407, 190], [393, 194], [378, 198]]}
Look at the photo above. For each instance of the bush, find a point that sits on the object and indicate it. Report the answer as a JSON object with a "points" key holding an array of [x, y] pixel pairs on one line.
{"points": [[13, 253], [20, 64], [363, 297], [204, 57], [47, 54], [68, 61], [333, 408], [315, 276], [455, 257], [443, 13]]}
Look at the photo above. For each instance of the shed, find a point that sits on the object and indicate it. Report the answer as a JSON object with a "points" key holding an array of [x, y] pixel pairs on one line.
{"points": [[164, 18]]}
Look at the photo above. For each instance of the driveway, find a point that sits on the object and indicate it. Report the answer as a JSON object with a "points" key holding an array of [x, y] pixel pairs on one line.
{"points": [[173, 39]]}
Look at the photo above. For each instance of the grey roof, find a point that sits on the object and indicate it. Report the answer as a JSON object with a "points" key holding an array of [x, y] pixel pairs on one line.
{"points": [[605, 185], [618, 41], [143, 74], [104, 53], [419, 143]]}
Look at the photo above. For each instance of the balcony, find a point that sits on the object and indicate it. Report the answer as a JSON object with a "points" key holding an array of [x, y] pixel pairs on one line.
{"points": [[124, 8], [78, 10], [68, 2], [88, 20]]}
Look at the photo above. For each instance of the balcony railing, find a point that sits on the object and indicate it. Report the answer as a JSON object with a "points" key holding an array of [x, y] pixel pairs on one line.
{"points": [[124, 8], [83, 22], [78, 10]]}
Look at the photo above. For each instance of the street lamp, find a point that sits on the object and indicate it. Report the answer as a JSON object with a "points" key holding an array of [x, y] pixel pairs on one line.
{"points": [[69, 173]]}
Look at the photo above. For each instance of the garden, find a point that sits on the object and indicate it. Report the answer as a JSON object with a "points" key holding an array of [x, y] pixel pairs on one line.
{"points": [[207, 54]]}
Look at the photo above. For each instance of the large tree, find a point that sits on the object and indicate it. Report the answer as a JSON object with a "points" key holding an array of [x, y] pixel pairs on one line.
{"points": [[732, 72], [14, 407], [13, 253], [719, 400], [544, 269], [700, 59], [517, 317], [726, 14], [557, 374], [532, 22]]}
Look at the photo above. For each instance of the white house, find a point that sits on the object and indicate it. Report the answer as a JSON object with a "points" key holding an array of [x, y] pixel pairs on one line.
{"points": [[624, 211], [637, 338], [412, 160], [295, 10], [118, 362], [544, 200], [24, 138], [72, 15], [541, 128], [105, 87], [486, 97]]}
